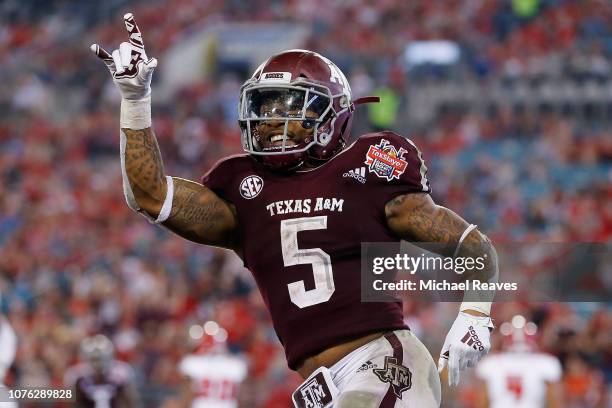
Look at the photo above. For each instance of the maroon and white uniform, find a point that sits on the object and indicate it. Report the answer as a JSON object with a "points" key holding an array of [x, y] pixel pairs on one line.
{"points": [[302, 235], [108, 391]]}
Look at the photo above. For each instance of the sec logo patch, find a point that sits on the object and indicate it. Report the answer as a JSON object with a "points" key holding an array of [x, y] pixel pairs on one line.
{"points": [[251, 186]]}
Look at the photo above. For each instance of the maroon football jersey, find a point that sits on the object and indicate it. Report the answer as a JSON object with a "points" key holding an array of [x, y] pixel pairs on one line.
{"points": [[302, 235], [94, 391]]}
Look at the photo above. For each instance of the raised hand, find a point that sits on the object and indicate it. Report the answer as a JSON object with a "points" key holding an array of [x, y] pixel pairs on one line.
{"points": [[131, 69]]}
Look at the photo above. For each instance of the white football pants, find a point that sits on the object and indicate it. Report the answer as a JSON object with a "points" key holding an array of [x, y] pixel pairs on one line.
{"points": [[393, 371]]}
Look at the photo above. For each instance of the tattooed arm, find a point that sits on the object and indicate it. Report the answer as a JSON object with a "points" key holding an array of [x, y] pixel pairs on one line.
{"points": [[416, 218], [145, 170], [198, 214]]}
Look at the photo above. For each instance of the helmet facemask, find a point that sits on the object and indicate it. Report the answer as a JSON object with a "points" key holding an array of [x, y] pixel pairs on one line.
{"points": [[270, 114]]}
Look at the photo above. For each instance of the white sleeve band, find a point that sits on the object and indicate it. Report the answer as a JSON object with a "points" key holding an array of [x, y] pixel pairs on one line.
{"points": [[136, 114], [483, 307], [164, 213], [469, 229]]}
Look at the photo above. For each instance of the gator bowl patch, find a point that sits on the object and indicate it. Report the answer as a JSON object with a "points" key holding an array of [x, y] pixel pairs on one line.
{"points": [[386, 161]]}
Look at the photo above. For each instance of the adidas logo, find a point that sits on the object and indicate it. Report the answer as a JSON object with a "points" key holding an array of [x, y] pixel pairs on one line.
{"points": [[366, 366], [358, 174], [472, 340]]}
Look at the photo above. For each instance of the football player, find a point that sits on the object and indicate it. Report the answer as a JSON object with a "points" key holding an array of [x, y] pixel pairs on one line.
{"points": [[215, 375], [520, 376], [101, 381], [296, 208]]}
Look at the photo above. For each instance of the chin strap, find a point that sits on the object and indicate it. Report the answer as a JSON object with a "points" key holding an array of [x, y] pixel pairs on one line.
{"points": [[366, 99]]}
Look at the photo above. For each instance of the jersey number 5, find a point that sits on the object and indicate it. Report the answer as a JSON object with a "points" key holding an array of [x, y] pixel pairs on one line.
{"points": [[319, 259]]}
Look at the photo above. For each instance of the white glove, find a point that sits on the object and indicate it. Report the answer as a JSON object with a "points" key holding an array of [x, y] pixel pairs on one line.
{"points": [[131, 69], [467, 342]]}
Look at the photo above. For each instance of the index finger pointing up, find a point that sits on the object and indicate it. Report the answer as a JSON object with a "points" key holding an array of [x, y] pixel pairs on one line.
{"points": [[133, 30]]}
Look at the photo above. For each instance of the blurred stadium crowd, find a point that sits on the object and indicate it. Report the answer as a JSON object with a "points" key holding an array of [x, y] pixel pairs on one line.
{"points": [[74, 260]]}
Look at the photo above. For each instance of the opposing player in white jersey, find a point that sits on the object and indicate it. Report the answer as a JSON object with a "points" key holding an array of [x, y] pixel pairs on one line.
{"points": [[215, 374], [520, 376]]}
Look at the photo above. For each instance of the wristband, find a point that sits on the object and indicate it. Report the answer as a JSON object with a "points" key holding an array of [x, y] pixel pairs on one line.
{"points": [[482, 307], [469, 229], [135, 115], [164, 213]]}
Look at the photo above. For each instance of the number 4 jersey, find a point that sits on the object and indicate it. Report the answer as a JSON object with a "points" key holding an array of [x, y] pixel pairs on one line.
{"points": [[518, 380], [302, 233]]}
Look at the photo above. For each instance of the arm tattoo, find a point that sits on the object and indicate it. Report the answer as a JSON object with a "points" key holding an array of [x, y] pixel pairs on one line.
{"points": [[415, 217], [418, 218], [143, 162], [397, 201], [190, 211], [199, 215]]}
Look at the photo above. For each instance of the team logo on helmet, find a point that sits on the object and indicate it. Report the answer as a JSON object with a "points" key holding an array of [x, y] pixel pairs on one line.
{"points": [[395, 374], [251, 186], [337, 76], [386, 161]]}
